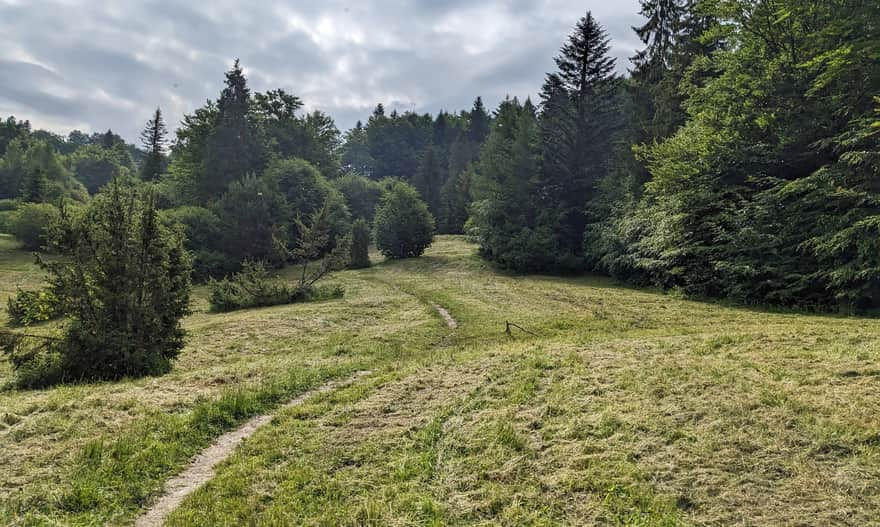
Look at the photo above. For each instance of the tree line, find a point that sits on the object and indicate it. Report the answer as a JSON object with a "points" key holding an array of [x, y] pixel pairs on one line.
{"points": [[738, 160]]}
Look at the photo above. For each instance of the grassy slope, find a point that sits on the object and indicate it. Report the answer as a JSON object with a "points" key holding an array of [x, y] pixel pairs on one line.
{"points": [[631, 408]]}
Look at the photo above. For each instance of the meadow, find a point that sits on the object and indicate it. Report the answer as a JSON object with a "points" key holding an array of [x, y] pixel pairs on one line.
{"points": [[618, 407]]}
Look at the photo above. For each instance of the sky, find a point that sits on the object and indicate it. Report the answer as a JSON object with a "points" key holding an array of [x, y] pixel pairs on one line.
{"points": [[95, 65]]}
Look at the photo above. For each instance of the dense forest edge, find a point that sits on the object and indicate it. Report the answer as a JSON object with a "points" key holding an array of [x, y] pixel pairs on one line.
{"points": [[738, 159]]}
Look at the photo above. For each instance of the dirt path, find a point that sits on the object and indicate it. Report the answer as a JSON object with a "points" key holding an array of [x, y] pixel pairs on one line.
{"points": [[451, 322], [202, 467]]}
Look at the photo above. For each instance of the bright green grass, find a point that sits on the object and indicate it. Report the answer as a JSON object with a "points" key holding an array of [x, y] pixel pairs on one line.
{"points": [[629, 408]]}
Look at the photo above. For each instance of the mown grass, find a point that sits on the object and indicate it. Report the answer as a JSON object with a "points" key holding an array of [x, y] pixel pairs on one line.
{"points": [[95, 454], [629, 408]]}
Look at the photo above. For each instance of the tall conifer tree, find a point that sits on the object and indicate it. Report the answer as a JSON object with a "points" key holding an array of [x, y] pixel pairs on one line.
{"points": [[153, 141], [234, 149]]}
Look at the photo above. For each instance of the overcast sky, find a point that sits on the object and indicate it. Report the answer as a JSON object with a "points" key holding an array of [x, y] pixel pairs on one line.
{"points": [[99, 64]]}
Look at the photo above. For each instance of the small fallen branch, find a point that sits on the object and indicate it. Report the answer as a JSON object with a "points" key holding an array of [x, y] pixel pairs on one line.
{"points": [[510, 325]]}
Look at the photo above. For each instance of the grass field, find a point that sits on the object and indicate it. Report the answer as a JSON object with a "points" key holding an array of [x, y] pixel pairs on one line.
{"points": [[627, 407]]}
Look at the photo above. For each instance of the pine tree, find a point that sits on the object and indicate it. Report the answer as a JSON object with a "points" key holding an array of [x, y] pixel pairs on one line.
{"points": [[356, 151], [455, 199], [153, 141], [360, 245], [579, 124], [35, 186], [479, 122], [108, 139], [584, 63], [234, 148], [429, 181], [659, 34]]}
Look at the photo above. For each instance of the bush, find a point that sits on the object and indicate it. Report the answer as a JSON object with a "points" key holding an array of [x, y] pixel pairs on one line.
{"points": [[212, 264], [124, 282], [7, 211], [404, 226], [33, 307], [30, 222], [361, 193], [201, 226], [254, 287], [37, 362], [252, 213], [360, 245], [203, 230]]}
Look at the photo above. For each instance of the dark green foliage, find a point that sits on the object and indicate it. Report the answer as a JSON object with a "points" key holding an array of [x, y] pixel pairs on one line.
{"points": [[30, 223], [404, 226], [254, 287], [7, 213], [768, 193], [305, 191], [361, 194], [27, 308], [183, 182], [505, 220], [36, 361], [301, 184], [313, 137], [32, 170], [252, 213], [539, 174], [455, 202], [10, 130], [356, 151], [153, 142], [478, 129], [203, 231], [320, 248], [234, 147], [429, 180], [95, 166], [397, 142], [123, 282], [35, 187], [424, 151], [360, 245]]}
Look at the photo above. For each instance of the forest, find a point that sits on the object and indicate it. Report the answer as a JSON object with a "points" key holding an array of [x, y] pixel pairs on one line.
{"points": [[737, 160]]}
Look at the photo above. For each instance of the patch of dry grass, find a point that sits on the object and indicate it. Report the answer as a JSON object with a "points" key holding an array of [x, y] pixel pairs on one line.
{"points": [[631, 408]]}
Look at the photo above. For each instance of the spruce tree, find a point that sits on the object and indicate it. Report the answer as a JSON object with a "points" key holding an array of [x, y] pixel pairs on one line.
{"points": [[153, 141], [360, 245], [584, 64], [234, 148], [578, 129], [659, 34], [356, 151], [429, 181], [35, 186], [479, 122]]}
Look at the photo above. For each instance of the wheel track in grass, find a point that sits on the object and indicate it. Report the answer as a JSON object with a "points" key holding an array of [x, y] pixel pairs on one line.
{"points": [[201, 468]]}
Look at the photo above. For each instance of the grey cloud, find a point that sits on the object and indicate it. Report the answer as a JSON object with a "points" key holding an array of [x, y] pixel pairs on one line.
{"points": [[108, 63]]}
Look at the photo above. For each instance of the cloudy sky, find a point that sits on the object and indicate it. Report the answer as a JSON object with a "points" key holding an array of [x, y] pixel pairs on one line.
{"points": [[98, 64]]}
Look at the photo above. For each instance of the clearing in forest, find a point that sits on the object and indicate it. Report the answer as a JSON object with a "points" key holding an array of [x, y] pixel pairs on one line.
{"points": [[626, 407]]}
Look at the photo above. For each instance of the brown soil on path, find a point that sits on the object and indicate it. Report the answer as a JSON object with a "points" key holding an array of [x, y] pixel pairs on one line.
{"points": [[202, 467]]}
